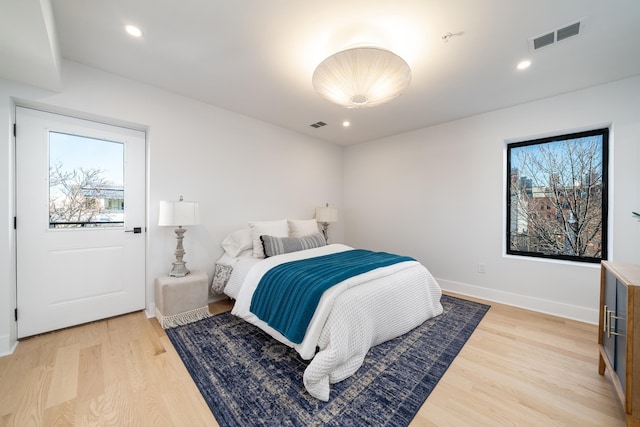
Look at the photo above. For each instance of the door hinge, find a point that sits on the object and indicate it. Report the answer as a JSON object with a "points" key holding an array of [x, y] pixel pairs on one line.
{"points": [[14, 130], [15, 222], [15, 314]]}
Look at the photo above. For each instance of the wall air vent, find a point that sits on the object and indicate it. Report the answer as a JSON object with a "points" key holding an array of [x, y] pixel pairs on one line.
{"points": [[318, 124], [557, 35]]}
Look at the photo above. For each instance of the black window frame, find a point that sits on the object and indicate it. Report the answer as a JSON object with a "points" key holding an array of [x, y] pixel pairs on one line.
{"points": [[604, 133]]}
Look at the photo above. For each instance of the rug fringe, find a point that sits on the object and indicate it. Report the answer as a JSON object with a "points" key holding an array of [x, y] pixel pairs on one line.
{"points": [[182, 318]]}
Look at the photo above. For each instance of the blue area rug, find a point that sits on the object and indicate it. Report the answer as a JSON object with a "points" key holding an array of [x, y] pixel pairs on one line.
{"points": [[250, 379]]}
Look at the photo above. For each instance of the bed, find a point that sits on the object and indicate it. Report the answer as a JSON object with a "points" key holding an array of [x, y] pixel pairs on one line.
{"points": [[356, 314]]}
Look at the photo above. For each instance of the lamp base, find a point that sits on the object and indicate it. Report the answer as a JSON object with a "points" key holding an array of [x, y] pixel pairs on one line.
{"points": [[179, 270], [325, 231], [179, 266]]}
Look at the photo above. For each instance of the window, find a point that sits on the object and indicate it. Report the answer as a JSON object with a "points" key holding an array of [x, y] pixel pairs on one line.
{"points": [[86, 182], [565, 176]]}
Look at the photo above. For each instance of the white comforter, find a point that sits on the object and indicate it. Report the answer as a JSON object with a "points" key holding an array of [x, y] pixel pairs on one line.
{"points": [[350, 319]]}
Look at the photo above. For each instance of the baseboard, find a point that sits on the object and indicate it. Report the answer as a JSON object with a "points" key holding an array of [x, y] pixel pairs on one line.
{"points": [[567, 311], [150, 311], [6, 348], [217, 297]]}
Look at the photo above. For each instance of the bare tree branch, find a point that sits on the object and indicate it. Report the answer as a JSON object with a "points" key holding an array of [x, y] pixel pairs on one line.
{"points": [[558, 188], [74, 195]]}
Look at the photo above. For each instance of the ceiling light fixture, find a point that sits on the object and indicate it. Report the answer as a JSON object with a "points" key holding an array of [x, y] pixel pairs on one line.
{"points": [[361, 77]]}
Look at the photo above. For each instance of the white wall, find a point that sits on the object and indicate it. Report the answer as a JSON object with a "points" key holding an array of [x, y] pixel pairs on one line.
{"points": [[238, 168], [438, 194]]}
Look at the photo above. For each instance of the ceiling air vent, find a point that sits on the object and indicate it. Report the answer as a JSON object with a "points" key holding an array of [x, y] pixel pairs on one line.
{"points": [[545, 40], [318, 125], [568, 31], [556, 35]]}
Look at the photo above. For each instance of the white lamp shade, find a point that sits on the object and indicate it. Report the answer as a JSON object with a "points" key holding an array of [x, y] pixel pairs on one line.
{"points": [[327, 214], [179, 213], [361, 77]]}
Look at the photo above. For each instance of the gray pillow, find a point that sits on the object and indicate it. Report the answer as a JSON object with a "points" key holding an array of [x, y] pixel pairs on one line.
{"points": [[283, 245]]}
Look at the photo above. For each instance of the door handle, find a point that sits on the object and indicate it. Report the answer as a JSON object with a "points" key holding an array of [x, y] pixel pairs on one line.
{"points": [[134, 230]]}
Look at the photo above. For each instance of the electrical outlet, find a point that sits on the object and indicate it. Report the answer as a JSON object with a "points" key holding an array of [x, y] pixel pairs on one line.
{"points": [[481, 267]]}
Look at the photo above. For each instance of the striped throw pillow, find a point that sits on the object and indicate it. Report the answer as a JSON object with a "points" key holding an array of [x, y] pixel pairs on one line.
{"points": [[283, 245]]}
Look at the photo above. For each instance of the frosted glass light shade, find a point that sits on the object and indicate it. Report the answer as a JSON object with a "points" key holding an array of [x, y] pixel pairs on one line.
{"points": [[179, 213], [326, 214], [361, 77]]}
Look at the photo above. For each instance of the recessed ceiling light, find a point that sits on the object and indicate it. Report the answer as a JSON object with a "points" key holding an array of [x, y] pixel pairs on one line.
{"points": [[133, 30], [524, 65], [346, 123]]}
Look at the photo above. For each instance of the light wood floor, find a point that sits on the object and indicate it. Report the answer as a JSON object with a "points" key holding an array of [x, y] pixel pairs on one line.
{"points": [[518, 368]]}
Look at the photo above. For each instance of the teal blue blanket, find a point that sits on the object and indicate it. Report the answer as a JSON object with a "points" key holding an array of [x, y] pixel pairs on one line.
{"points": [[288, 294]]}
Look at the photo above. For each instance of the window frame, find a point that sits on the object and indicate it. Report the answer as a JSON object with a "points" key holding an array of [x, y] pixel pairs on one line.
{"points": [[604, 244]]}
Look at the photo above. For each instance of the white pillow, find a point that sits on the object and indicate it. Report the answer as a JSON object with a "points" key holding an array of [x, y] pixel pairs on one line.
{"points": [[302, 227], [278, 228], [237, 242]]}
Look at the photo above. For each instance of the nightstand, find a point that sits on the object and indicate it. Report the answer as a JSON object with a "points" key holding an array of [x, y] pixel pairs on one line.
{"points": [[182, 300]]}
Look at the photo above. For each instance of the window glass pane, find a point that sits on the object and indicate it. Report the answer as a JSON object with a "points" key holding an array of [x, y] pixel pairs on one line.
{"points": [[557, 197], [86, 182]]}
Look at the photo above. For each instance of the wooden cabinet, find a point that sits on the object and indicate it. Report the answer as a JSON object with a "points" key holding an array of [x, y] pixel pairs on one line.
{"points": [[619, 327]]}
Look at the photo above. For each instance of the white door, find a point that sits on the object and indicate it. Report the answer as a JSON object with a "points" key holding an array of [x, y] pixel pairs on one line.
{"points": [[80, 208]]}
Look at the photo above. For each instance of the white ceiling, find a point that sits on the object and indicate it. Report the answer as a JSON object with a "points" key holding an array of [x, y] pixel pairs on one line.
{"points": [[256, 57]]}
